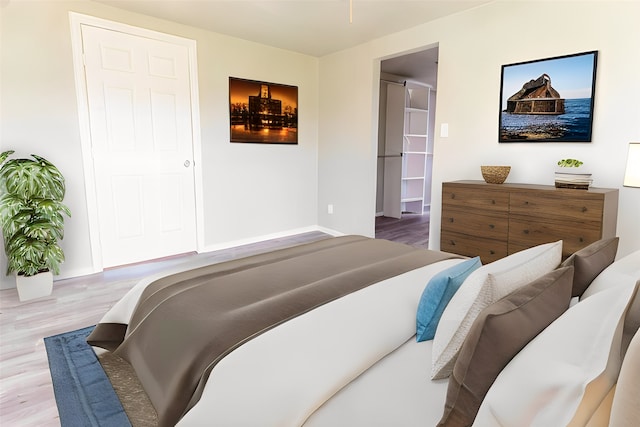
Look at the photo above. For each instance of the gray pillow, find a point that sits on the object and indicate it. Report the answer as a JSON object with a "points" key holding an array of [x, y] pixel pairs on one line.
{"points": [[590, 261], [497, 335]]}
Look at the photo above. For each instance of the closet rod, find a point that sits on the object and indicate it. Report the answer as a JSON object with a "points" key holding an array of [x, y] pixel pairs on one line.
{"points": [[404, 83]]}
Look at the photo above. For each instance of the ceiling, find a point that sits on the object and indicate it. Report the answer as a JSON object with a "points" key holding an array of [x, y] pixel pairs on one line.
{"points": [[421, 66], [311, 27]]}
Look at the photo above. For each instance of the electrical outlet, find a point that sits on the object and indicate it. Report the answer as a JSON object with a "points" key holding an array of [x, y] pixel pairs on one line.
{"points": [[330, 209]]}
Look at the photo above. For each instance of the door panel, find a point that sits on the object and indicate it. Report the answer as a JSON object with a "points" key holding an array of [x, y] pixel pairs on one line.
{"points": [[139, 101], [165, 127], [120, 118], [127, 194]]}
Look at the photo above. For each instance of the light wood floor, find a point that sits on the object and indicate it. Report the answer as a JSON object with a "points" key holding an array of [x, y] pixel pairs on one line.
{"points": [[26, 393], [411, 229]]}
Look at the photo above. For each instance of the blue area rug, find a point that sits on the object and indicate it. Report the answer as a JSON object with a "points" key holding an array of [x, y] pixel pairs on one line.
{"points": [[84, 394]]}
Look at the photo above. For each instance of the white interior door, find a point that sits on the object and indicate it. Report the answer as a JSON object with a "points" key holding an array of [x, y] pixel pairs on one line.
{"points": [[138, 93], [392, 205]]}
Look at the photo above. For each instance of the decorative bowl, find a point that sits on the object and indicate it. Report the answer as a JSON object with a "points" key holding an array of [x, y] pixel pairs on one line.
{"points": [[495, 174]]}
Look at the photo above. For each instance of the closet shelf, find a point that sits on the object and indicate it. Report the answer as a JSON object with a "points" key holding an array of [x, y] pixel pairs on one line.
{"points": [[412, 199]]}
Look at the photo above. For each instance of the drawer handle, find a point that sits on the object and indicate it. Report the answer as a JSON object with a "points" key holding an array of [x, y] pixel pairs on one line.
{"points": [[581, 239], [525, 231], [492, 252], [584, 209], [526, 202], [450, 219], [493, 202], [453, 243], [453, 195], [491, 226]]}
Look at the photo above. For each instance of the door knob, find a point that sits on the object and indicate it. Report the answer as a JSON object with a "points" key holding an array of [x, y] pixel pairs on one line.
{"points": [[187, 163]]}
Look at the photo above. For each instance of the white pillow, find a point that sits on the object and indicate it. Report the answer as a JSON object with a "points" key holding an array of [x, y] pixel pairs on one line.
{"points": [[564, 373], [482, 288], [625, 410], [624, 270]]}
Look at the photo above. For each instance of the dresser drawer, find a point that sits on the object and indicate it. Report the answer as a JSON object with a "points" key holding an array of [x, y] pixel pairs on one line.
{"points": [[474, 198], [526, 233], [580, 208], [493, 226], [489, 250]]}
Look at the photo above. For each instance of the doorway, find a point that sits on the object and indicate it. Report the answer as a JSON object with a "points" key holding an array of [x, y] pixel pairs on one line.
{"points": [[399, 216], [137, 108]]}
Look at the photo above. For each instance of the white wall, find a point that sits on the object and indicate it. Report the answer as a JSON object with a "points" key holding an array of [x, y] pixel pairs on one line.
{"points": [[250, 190], [349, 135], [472, 47]]}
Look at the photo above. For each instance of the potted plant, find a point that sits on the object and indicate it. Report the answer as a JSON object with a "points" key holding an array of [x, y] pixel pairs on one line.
{"points": [[31, 217], [570, 174]]}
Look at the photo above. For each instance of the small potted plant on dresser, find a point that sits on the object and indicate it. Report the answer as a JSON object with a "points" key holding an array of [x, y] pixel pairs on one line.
{"points": [[32, 221], [571, 174]]}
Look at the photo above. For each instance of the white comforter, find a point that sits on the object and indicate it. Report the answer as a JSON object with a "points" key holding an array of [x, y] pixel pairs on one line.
{"points": [[283, 376]]}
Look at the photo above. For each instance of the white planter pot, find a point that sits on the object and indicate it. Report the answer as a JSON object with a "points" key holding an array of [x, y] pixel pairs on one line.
{"points": [[38, 286]]}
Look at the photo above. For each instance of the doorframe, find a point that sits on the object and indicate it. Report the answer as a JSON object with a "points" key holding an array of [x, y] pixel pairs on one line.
{"points": [[377, 79], [76, 21]]}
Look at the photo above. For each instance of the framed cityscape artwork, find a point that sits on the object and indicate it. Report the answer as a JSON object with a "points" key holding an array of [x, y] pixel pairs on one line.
{"points": [[262, 112], [548, 100]]}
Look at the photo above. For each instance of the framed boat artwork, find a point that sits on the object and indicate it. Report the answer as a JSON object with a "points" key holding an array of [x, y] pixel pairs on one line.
{"points": [[262, 112], [548, 100]]}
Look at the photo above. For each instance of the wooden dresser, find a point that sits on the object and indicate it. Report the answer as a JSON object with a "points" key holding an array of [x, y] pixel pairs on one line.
{"points": [[495, 220]]}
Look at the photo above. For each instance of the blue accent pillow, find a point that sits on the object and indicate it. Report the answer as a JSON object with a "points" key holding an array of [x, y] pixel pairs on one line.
{"points": [[438, 293]]}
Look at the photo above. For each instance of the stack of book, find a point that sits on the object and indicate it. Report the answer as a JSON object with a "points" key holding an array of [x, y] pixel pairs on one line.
{"points": [[580, 181]]}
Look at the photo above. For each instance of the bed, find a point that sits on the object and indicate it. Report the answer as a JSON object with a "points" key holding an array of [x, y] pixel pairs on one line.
{"points": [[329, 338]]}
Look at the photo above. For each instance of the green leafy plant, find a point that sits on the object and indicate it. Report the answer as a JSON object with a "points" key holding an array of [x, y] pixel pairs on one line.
{"points": [[569, 163], [31, 214]]}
